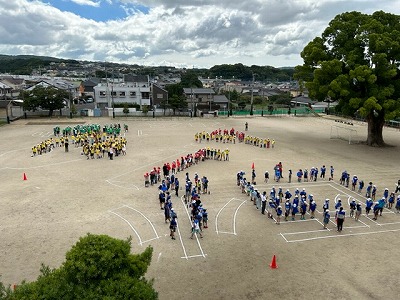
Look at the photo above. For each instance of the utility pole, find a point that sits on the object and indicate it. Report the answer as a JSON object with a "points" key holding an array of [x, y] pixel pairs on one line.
{"points": [[112, 94], [252, 97]]}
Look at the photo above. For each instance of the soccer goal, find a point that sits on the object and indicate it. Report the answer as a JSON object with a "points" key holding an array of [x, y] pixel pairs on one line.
{"points": [[344, 133]]}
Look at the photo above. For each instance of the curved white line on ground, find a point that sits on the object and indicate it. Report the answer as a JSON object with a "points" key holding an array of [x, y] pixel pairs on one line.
{"points": [[130, 225], [234, 217], [216, 217], [148, 220]]}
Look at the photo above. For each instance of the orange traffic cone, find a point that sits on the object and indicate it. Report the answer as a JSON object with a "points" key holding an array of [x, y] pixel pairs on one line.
{"points": [[252, 166], [273, 264], [25, 178]]}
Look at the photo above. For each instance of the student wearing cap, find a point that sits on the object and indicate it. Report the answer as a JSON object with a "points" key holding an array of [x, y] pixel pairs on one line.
{"points": [[278, 214], [376, 210], [382, 203], [313, 207], [340, 217], [196, 228], [263, 202], [368, 203], [172, 228], [295, 210], [327, 216], [288, 207], [325, 207]]}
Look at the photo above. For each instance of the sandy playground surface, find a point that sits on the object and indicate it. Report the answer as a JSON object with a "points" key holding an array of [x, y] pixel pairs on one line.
{"points": [[67, 196]]}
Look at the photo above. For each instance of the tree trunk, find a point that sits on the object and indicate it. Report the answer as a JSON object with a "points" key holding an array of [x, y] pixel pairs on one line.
{"points": [[375, 129]]}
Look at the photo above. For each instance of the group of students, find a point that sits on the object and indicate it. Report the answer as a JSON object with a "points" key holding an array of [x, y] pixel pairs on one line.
{"points": [[259, 142], [50, 144], [280, 203], [313, 174], [169, 170], [199, 214]]}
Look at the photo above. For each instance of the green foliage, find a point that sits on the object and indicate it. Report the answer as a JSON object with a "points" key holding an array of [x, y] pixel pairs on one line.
{"points": [[174, 90], [48, 98], [97, 267], [73, 109], [126, 109], [177, 102], [145, 109], [129, 105], [239, 71], [190, 80], [356, 61]]}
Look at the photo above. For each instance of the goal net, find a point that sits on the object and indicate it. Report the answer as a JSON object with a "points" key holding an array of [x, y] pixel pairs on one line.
{"points": [[344, 133]]}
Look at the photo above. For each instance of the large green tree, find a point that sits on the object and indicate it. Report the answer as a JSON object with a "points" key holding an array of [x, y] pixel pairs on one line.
{"points": [[356, 61], [97, 267], [48, 98]]}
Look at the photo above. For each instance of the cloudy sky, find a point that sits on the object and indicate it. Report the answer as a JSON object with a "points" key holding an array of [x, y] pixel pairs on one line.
{"points": [[181, 33]]}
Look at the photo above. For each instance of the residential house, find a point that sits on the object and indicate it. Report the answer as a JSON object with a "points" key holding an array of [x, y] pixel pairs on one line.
{"points": [[199, 99], [159, 95], [86, 87], [135, 89]]}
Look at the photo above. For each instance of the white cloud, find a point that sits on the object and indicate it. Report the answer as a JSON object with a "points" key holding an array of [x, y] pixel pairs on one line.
{"points": [[87, 2], [182, 32]]}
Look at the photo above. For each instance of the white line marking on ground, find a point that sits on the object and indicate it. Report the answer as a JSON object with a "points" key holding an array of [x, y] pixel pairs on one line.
{"points": [[180, 238], [148, 220], [190, 221], [216, 217], [343, 235], [130, 225], [234, 217], [158, 258]]}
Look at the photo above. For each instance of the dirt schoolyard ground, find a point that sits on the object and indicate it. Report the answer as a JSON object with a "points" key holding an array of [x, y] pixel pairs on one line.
{"points": [[66, 196]]}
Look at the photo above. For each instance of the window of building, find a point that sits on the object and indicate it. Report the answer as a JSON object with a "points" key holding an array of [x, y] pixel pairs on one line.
{"points": [[145, 95], [114, 94], [122, 94], [132, 94], [102, 93], [159, 96]]}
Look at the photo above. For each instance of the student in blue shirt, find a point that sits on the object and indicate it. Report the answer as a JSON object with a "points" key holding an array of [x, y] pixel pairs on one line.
{"points": [[358, 212], [382, 203], [353, 205], [303, 210], [332, 170], [313, 207], [376, 210], [326, 205], [341, 215], [391, 200], [288, 195], [369, 190], [360, 186], [278, 215], [398, 204], [295, 210], [338, 204], [288, 207], [327, 216], [354, 182], [323, 170], [369, 203]]}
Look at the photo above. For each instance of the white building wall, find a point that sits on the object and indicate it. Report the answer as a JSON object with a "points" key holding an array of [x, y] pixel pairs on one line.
{"points": [[122, 93]]}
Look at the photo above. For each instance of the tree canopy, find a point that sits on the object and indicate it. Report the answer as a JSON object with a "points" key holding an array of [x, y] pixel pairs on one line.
{"points": [[48, 98], [97, 267], [356, 61]]}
